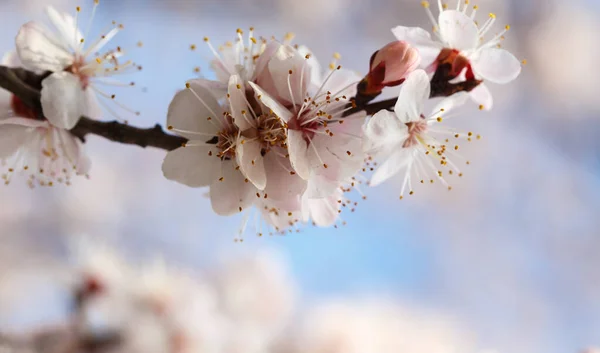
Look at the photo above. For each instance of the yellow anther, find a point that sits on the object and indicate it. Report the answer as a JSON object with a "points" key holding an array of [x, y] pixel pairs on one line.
{"points": [[78, 9], [187, 85], [507, 27], [425, 4], [492, 15], [193, 47], [206, 39], [337, 56], [439, 119]]}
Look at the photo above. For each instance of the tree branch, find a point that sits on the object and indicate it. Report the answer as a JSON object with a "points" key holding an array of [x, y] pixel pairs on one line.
{"points": [[26, 85]]}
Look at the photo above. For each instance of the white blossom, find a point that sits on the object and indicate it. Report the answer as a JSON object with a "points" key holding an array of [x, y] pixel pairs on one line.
{"points": [[408, 140], [460, 42], [72, 89], [35, 147]]}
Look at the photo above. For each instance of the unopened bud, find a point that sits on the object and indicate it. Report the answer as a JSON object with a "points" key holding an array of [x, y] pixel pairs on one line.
{"points": [[391, 64]]}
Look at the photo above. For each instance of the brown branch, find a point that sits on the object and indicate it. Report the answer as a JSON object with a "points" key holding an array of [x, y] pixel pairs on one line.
{"points": [[26, 85]]}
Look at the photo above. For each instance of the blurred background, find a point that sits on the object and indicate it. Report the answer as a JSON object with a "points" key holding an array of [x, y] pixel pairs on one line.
{"points": [[505, 262]]}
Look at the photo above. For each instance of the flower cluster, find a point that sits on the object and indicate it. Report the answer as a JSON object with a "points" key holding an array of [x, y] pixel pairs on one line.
{"points": [[274, 136], [271, 133], [275, 132], [74, 74]]}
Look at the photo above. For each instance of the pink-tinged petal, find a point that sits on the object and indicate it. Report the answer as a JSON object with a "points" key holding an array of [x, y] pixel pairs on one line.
{"points": [[283, 185], [397, 160], [5, 104], [73, 151], [237, 103], [231, 194], [25, 122], [251, 162], [320, 186], [482, 96], [63, 100], [221, 71], [298, 148], [193, 166], [66, 27], [458, 30], [413, 94], [316, 77], [11, 59], [421, 40], [196, 111], [277, 108], [382, 130], [13, 137], [342, 83], [290, 87], [39, 49], [450, 103], [323, 211], [261, 66], [496, 65], [92, 108], [219, 89]]}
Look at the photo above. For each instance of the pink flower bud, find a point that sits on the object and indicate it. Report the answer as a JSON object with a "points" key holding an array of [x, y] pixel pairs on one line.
{"points": [[392, 64]]}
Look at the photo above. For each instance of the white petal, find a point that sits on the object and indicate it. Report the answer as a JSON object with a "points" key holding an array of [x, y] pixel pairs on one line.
{"points": [[13, 137], [251, 162], [191, 113], [279, 110], [447, 104], [421, 40], [482, 96], [192, 165], [458, 30], [320, 186], [66, 27], [342, 82], [398, 160], [232, 192], [496, 65], [63, 100], [324, 211], [93, 110], [291, 88], [237, 103], [383, 129], [413, 94], [261, 67], [39, 49], [283, 188], [26, 122], [298, 148], [218, 89], [73, 151], [315, 68]]}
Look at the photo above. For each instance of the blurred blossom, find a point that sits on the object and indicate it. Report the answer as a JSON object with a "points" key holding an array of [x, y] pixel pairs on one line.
{"points": [[378, 326], [562, 40]]}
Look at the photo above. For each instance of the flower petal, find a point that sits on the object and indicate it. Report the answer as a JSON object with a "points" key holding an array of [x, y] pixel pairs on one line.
{"points": [[279, 110], [315, 67], [415, 91], [290, 87], [398, 160], [324, 212], [13, 137], [458, 30], [218, 89], [448, 104], [11, 59], [192, 166], [66, 27], [73, 151], [251, 162], [420, 39], [283, 187], [237, 103], [382, 130], [482, 96], [231, 194], [298, 148], [26, 122], [39, 49], [196, 110], [496, 65], [63, 100]]}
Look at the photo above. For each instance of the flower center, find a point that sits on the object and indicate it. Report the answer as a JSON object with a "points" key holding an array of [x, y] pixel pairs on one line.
{"points": [[78, 69], [20, 109], [226, 141], [415, 129]]}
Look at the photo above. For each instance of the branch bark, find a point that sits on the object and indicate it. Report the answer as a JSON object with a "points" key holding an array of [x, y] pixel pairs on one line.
{"points": [[26, 85]]}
